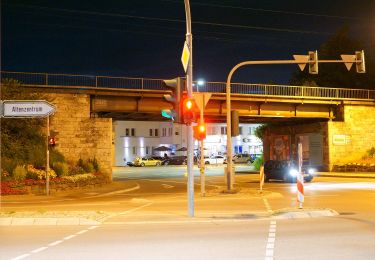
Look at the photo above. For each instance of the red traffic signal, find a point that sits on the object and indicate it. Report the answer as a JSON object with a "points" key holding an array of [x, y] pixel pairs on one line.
{"points": [[51, 141], [188, 113], [200, 131]]}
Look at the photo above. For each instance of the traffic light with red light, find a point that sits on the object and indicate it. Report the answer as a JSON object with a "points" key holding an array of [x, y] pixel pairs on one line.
{"points": [[188, 107], [200, 131], [51, 141]]}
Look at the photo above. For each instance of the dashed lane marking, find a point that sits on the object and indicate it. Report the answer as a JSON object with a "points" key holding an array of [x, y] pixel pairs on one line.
{"points": [[271, 241], [55, 243]]}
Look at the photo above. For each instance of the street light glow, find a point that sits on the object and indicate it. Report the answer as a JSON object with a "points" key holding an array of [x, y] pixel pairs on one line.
{"points": [[201, 82]]}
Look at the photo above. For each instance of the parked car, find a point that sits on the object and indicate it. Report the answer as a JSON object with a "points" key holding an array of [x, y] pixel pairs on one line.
{"points": [[214, 159], [130, 164], [146, 161], [175, 160], [286, 171], [242, 158]]}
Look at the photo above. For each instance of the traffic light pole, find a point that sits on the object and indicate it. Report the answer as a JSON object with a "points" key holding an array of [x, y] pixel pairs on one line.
{"points": [[47, 156], [202, 164], [230, 173], [189, 88]]}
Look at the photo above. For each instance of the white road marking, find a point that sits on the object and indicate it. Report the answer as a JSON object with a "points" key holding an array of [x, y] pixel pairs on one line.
{"points": [[69, 237], [21, 257], [166, 186], [82, 232], [55, 243], [93, 227], [270, 246], [39, 249], [135, 209]]}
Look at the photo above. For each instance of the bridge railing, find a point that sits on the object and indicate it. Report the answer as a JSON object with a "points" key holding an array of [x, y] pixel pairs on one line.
{"points": [[86, 81]]}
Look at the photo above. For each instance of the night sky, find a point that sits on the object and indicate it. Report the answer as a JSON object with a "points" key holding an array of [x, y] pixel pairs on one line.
{"points": [[144, 38]]}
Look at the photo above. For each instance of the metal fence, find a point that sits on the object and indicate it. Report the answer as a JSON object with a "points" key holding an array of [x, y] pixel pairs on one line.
{"points": [[86, 81]]}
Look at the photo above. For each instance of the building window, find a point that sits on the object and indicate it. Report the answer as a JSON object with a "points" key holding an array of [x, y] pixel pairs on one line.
{"points": [[252, 130], [134, 150], [170, 131], [151, 132], [147, 150], [133, 132], [223, 130], [156, 132], [127, 132], [164, 132], [240, 130]]}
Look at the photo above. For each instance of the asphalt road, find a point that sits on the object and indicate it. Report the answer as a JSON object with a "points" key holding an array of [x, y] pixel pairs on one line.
{"points": [[148, 220]]}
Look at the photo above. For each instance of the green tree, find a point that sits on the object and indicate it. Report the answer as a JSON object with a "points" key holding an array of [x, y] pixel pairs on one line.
{"points": [[22, 139], [335, 74]]}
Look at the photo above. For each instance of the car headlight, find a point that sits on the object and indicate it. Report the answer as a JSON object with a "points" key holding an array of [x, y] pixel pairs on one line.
{"points": [[293, 172], [311, 171]]}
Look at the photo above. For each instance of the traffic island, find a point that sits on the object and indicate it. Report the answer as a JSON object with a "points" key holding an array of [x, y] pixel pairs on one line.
{"points": [[293, 213]]}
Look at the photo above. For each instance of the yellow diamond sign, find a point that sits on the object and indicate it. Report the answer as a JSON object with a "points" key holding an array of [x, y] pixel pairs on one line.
{"points": [[185, 56]]}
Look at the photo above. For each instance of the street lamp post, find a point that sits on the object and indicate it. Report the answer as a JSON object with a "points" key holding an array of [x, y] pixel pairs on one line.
{"points": [[189, 89]]}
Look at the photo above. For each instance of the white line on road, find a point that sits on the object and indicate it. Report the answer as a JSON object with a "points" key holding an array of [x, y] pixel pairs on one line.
{"points": [[39, 249], [69, 237], [21, 257], [55, 243], [93, 227], [82, 232], [271, 241], [135, 209]]}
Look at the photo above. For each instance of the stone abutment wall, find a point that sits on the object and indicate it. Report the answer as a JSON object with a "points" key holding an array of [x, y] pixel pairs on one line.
{"points": [[78, 135]]}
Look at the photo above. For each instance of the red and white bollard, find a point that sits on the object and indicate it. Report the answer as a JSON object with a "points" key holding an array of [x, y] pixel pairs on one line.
{"points": [[300, 189]]}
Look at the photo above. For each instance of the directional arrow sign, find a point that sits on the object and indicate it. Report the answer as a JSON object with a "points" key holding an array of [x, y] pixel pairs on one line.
{"points": [[167, 113], [27, 108]]}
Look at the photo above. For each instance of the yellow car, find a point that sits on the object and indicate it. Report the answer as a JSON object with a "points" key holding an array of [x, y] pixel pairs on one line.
{"points": [[146, 161]]}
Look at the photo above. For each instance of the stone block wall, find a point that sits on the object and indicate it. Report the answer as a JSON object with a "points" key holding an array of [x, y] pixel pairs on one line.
{"points": [[78, 135], [349, 140]]}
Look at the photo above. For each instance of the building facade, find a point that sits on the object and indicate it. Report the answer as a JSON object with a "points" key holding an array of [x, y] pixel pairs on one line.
{"points": [[135, 138]]}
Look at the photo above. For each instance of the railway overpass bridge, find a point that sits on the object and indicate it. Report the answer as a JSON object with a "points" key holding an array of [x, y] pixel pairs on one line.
{"points": [[86, 106]]}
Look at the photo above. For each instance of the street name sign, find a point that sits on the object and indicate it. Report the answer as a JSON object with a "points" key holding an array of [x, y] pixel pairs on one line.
{"points": [[27, 108]]}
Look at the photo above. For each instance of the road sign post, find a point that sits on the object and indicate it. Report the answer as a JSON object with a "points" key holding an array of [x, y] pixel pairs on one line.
{"points": [[201, 100], [300, 188], [30, 109]]}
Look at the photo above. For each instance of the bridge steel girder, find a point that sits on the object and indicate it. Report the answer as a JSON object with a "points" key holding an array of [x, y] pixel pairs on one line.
{"points": [[249, 109]]}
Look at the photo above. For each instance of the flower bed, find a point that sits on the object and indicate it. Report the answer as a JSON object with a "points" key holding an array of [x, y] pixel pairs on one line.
{"points": [[56, 184]]}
